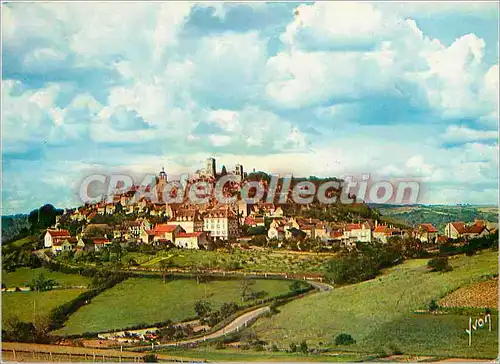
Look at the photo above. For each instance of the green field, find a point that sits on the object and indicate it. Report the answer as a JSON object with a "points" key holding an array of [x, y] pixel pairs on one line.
{"points": [[20, 242], [379, 313], [147, 301], [21, 304], [23, 276], [250, 261], [212, 354]]}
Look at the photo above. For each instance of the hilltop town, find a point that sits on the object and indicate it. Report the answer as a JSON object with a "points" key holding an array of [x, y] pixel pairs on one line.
{"points": [[127, 219]]}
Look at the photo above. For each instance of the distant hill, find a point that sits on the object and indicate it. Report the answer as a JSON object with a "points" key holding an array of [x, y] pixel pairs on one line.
{"points": [[14, 226], [438, 215]]}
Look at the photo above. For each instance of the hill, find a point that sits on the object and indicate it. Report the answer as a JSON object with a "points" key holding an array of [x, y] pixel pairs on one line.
{"points": [[381, 316], [438, 215]]}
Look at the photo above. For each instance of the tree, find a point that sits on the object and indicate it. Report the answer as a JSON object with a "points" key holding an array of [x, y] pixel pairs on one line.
{"points": [[43, 217], [165, 265], [439, 264], [293, 347], [303, 347], [228, 309], [344, 339], [295, 286], [41, 283], [202, 308], [245, 288], [223, 171]]}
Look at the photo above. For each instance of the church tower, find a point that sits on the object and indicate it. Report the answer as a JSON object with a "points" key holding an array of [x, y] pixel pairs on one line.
{"points": [[160, 185]]}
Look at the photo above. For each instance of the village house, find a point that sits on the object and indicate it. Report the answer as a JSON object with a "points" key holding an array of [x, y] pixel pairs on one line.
{"points": [[427, 233], [110, 209], [65, 244], [101, 243], [455, 230], [358, 232], [221, 223], [192, 240], [162, 233], [101, 209], [190, 220], [477, 230], [383, 233], [55, 236], [321, 231]]}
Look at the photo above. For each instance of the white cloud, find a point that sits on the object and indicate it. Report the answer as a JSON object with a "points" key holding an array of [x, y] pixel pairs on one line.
{"points": [[219, 140], [463, 134]]}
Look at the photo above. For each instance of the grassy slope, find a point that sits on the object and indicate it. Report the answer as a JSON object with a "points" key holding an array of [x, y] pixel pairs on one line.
{"points": [[212, 354], [379, 312], [143, 300], [20, 304], [264, 261], [23, 276]]}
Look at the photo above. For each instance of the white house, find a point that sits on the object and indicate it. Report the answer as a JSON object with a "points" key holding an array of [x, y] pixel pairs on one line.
{"points": [[221, 223], [193, 240], [54, 236], [358, 232]]}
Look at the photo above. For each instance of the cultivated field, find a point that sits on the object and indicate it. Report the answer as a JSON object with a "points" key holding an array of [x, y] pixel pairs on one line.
{"points": [[25, 304], [264, 260], [147, 301], [481, 294], [21, 277], [379, 313]]}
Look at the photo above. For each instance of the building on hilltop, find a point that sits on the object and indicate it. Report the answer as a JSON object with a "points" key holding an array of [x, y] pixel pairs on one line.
{"points": [[222, 223], [210, 168], [190, 220]]}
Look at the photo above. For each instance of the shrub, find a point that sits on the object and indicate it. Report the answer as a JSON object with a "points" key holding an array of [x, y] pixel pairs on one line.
{"points": [[439, 264], [274, 348], [433, 306], [293, 347], [303, 347], [150, 358], [344, 339]]}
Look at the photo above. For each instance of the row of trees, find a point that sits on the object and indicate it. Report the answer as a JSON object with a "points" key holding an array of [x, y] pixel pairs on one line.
{"points": [[366, 261]]}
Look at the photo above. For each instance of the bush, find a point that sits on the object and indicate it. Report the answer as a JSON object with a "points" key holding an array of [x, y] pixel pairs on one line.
{"points": [[150, 358], [293, 347], [439, 264], [433, 306], [344, 339], [303, 347]]}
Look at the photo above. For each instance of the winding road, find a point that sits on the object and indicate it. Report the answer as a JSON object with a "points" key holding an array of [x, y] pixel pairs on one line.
{"points": [[238, 323]]}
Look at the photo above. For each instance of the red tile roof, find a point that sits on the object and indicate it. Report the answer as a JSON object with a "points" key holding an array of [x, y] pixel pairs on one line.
{"points": [[190, 235], [59, 233], [380, 229], [442, 239], [165, 228], [100, 241], [429, 228], [475, 229], [459, 227]]}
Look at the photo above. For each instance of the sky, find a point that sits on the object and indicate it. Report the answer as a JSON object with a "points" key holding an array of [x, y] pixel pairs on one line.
{"points": [[399, 91]]}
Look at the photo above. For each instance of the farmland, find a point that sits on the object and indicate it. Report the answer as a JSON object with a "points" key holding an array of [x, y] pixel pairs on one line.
{"points": [[439, 215], [379, 313], [22, 304], [481, 294], [147, 301], [265, 260], [21, 277]]}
